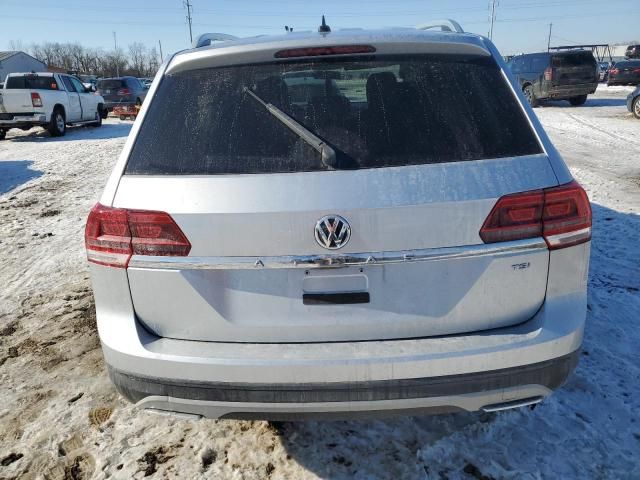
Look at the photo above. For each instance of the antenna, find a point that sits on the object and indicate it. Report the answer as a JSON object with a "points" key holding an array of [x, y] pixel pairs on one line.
{"points": [[324, 28], [188, 6], [492, 18]]}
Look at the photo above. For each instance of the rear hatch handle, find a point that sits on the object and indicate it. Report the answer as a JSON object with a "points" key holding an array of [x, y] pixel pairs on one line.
{"points": [[327, 153]]}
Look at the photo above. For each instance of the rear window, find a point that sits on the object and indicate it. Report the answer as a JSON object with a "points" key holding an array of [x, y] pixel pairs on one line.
{"points": [[628, 63], [110, 84], [33, 82], [374, 112], [573, 59]]}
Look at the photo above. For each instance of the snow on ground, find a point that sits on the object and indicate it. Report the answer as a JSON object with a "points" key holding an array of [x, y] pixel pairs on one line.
{"points": [[60, 417]]}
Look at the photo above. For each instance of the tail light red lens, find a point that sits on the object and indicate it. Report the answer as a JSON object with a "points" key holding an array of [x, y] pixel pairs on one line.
{"points": [[548, 74], [562, 215], [123, 91], [566, 218], [113, 235], [614, 71], [36, 101], [322, 51]]}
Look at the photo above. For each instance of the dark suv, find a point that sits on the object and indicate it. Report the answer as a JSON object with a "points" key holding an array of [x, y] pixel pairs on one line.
{"points": [[569, 75], [122, 91]]}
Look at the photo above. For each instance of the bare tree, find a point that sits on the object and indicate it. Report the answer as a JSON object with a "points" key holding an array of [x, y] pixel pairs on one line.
{"points": [[137, 58], [16, 45], [152, 62]]}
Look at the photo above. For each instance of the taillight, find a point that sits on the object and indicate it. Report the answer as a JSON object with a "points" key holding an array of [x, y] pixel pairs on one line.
{"points": [[636, 70], [548, 73], [566, 219], [112, 235], [322, 51], [123, 91], [562, 215], [614, 71], [514, 217], [36, 101]]}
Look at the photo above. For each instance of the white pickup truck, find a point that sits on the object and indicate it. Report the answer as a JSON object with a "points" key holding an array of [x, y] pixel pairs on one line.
{"points": [[49, 100]]}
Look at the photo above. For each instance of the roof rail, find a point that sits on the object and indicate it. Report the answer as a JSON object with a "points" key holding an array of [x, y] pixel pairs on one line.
{"points": [[207, 39], [446, 25]]}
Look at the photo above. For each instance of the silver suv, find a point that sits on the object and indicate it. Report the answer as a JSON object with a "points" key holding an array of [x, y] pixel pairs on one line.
{"points": [[339, 224]]}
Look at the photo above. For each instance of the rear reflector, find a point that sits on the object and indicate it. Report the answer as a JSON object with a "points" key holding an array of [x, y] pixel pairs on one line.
{"points": [[112, 235], [36, 101], [562, 215], [322, 51]]}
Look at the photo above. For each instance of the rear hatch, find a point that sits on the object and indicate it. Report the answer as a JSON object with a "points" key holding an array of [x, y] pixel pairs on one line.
{"points": [[573, 68], [424, 144], [114, 90], [16, 97]]}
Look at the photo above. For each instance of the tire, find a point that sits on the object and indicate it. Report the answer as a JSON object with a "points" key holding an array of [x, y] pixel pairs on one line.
{"points": [[3, 134], [98, 122], [123, 117], [635, 107], [138, 102], [57, 125], [104, 113], [530, 96], [579, 100]]}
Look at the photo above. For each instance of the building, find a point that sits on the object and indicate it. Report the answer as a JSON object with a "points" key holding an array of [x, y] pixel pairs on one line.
{"points": [[12, 62]]}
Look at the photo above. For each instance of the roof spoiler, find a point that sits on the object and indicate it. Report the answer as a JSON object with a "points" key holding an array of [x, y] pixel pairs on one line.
{"points": [[207, 39], [446, 25]]}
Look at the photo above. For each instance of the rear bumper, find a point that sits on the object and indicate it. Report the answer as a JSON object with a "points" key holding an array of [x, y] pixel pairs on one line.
{"points": [[19, 121], [568, 91], [279, 380], [489, 391], [624, 80], [109, 106]]}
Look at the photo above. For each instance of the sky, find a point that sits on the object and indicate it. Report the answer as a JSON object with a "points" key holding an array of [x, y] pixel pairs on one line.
{"points": [[521, 25]]}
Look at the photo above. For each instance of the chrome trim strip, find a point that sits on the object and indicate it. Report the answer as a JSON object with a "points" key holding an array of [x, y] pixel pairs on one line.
{"points": [[338, 260]]}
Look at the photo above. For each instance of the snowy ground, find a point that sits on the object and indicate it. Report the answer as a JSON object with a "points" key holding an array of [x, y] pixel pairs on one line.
{"points": [[60, 417]]}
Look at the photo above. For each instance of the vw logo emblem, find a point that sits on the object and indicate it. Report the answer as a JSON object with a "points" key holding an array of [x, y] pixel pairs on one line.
{"points": [[332, 232]]}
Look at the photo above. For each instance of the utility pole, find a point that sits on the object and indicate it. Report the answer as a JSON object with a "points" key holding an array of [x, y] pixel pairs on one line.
{"points": [[115, 46], [549, 39], [494, 4], [160, 45], [188, 6]]}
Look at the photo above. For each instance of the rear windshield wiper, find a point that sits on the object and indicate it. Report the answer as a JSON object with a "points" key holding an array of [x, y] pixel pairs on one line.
{"points": [[327, 154]]}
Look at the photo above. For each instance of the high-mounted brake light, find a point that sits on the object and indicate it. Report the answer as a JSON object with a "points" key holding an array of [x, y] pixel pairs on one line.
{"points": [[322, 51], [113, 235], [548, 74], [562, 215], [36, 101]]}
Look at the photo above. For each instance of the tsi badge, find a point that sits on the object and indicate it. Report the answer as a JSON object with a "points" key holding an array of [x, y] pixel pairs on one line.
{"points": [[332, 232], [520, 266]]}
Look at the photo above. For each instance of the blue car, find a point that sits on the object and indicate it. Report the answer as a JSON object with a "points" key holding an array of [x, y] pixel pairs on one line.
{"points": [[633, 102]]}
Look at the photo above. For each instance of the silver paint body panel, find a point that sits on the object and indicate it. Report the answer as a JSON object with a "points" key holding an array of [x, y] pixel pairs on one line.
{"points": [[232, 310]]}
